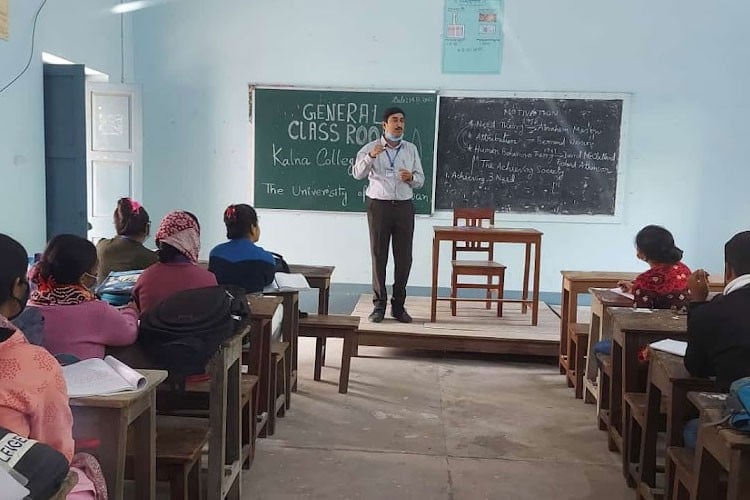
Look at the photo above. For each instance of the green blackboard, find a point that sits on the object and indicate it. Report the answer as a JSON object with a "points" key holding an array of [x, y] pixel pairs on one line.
{"points": [[306, 142]]}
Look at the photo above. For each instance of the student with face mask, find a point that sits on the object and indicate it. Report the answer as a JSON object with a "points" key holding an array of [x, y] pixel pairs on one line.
{"points": [[33, 395], [76, 322]]}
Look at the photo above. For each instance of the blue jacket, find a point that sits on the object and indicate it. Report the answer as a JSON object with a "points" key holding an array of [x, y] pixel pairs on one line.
{"points": [[242, 263]]}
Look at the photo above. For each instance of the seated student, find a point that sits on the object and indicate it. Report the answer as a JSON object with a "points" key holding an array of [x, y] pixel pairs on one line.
{"points": [[719, 330], [240, 261], [179, 244], [664, 285], [75, 321], [125, 252], [33, 395]]}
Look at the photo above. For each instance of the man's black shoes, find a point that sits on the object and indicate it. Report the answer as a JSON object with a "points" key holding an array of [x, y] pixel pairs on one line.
{"points": [[401, 315], [377, 315]]}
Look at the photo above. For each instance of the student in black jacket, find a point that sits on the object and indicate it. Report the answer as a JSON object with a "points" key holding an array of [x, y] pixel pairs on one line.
{"points": [[719, 330]]}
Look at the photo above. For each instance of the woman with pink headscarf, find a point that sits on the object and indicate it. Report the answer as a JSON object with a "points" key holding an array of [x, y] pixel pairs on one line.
{"points": [[178, 239]]}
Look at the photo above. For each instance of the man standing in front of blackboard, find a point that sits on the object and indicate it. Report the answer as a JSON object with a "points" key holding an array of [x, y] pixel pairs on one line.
{"points": [[393, 169]]}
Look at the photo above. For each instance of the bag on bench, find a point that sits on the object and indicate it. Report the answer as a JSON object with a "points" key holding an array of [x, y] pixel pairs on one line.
{"points": [[182, 333], [738, 402]]}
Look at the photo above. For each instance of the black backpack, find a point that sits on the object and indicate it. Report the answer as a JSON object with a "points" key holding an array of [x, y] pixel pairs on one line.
{"points": [[281, 265], [41, 466], [183, 332]]}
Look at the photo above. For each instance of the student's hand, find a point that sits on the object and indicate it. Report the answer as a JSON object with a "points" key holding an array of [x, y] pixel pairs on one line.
{"points": [[698, 286], [625, 285], [376, 150], [405, 175]]}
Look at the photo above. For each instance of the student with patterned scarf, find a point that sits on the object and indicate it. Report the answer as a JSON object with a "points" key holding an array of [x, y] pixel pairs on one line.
{"points": [[76, 322], [178, 239], [33, 394]]}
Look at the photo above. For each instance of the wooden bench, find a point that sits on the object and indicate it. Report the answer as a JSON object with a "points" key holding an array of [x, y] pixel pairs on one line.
{"points": [[323, 326], [636, 404], [578, 341], [179, 445], [602, 400]]}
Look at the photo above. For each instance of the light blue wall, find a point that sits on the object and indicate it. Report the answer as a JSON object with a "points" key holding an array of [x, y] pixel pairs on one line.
{"points": [[685, 64], [83, 31]]}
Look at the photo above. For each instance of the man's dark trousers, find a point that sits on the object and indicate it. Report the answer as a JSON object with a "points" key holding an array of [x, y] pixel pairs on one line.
{"points": [[390, 221]]}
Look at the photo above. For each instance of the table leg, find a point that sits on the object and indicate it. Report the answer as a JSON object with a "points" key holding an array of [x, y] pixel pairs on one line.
{"points": [[114, 436], [615, 395], [564, 309], [537, 269], [526, 264], [350, 343], [435, 259], [323, 297]]}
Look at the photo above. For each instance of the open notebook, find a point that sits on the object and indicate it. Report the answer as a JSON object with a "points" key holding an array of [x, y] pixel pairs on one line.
{"points": [[100, 377], [287, 281], [675, 347]]}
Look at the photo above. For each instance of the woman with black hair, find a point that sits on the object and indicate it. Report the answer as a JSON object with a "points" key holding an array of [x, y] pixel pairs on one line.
{"points": [[179, 242], [33, 395], [125, 252], [665, 284], [75, 321], [240, 261]]}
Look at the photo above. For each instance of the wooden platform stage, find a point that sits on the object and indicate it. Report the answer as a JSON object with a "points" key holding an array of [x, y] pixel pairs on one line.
{"points": [[473, 329]]}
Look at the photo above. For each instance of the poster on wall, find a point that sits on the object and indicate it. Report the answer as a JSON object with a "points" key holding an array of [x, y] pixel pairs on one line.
{"points": [[473, 36], [4, 19]]}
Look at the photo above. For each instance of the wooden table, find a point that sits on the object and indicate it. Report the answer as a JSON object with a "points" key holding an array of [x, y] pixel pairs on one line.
{"points": [[600, 328], [730, 449], [633, 329], [318, 277], [115, 414], [668, 380], [575, 283], [527, 237]]}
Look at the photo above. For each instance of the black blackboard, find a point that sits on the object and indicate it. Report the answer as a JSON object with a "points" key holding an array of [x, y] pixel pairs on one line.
{"points": [[529, 155], [306, 141]]}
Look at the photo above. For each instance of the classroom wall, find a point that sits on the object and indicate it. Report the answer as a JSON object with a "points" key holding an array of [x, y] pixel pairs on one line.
{"points": [[686, 66], [83, 31]]}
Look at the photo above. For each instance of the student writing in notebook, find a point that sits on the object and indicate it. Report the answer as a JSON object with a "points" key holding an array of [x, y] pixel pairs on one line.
{"points": [[240, 261], [33, 395], [664, 284]]}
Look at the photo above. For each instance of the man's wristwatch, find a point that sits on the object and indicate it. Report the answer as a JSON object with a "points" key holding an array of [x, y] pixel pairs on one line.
{"points": [[373, 157]]}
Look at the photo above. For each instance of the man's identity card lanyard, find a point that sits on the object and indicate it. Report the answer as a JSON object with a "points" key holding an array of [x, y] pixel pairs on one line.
{"points": [[392, 171]]}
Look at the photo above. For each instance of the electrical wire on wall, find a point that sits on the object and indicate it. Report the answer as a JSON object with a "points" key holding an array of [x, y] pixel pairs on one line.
{"points": [[31, 54]]}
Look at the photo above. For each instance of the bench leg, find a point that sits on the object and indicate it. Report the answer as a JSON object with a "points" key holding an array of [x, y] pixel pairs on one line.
{"points": [[350, 343], [580, 368], [178, 484], [500, 294], [454, 291], [194, 481], [319, 353]]}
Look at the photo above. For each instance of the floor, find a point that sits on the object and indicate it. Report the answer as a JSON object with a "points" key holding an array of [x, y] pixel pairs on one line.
{"points": [[424, 426]]}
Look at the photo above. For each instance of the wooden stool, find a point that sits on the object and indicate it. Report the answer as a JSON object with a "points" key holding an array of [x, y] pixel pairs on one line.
{"points": [[578, 341], [602, 400], [280, 383], [680, 465], [179, 445]]}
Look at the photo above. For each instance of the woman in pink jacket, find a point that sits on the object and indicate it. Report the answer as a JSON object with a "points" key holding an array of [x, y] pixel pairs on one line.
{"points": [[75, 321]]}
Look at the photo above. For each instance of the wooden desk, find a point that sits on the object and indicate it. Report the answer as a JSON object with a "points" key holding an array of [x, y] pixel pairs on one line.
{"points": [[730, 449], [289, 333], [633, 329], [527, 237], [115, 414], [319, 277], [262, 310], [668, 380], [575, 283], [600, 329]]}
